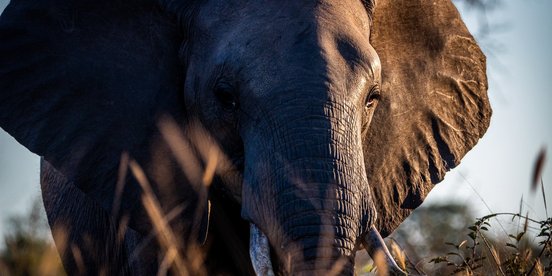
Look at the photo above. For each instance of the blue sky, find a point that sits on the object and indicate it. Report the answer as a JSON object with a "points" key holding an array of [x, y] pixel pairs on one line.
{"points": [[500, 167], [494, 175]]}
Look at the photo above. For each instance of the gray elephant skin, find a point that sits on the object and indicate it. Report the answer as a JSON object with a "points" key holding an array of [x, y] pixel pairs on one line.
{"points": [[335, 119]]}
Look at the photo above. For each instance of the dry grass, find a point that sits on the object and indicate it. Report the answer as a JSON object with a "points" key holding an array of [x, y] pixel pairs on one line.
{"points": [[525, 252]]}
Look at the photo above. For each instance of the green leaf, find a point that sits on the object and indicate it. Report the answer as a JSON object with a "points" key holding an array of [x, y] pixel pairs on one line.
{"points": [[454, 254], [460, 269], [543, 233], [488, 216], [479, 259], [368, 268], [477, 266], [438, 260]]}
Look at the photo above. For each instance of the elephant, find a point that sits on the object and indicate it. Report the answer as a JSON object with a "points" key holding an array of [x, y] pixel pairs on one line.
{"points": [[238, 136]]}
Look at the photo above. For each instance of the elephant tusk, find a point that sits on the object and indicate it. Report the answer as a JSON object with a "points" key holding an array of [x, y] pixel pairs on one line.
{"points": [[373, 242], [259, 252]]}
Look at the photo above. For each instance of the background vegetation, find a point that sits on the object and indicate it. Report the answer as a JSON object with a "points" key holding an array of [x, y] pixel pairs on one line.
{"points": [[435, 240], [28, 246]]}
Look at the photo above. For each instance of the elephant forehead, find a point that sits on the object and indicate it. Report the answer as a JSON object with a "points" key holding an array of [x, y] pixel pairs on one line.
{"points": [[309, 43], [276, 25], [213, 14]]}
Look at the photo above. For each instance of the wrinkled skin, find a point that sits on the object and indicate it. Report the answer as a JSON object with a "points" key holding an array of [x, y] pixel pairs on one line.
{"points": [[335, 119], [314, 83]]}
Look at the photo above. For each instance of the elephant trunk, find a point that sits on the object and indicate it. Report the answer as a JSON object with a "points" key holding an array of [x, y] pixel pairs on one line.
{"points": [[308, 191], [321, 221]]}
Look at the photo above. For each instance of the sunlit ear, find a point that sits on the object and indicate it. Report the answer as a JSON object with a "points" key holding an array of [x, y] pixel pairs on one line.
{"points": [[433, 107]]}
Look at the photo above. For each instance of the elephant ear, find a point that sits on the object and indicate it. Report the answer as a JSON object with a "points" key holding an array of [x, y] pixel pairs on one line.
{"points": [[83, 81], [434, 106]]}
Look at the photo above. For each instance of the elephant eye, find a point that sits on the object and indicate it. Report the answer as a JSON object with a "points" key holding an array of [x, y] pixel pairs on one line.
{"points": [[372, 97], [226, 96]]}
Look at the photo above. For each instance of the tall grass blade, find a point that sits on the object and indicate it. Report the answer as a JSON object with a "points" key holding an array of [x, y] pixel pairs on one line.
{"points": [[78, 259], [166, 237], [520, 207], [538, 168], [182, 151], [544, 198], [121, 177]]}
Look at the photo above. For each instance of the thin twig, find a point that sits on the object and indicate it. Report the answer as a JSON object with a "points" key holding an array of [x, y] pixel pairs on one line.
{"points": [[481, 198], [517, 215]]}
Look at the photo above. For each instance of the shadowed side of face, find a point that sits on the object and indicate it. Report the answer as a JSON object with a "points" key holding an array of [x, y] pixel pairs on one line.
{"points": [[289, 87]]}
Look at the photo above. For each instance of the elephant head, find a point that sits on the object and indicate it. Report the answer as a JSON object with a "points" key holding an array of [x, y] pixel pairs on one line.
{"points": [[339, 116]]}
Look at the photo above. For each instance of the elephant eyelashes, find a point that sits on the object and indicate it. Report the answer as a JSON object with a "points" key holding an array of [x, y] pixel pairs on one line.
{"points": [[373, 97], [226, 97]]}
